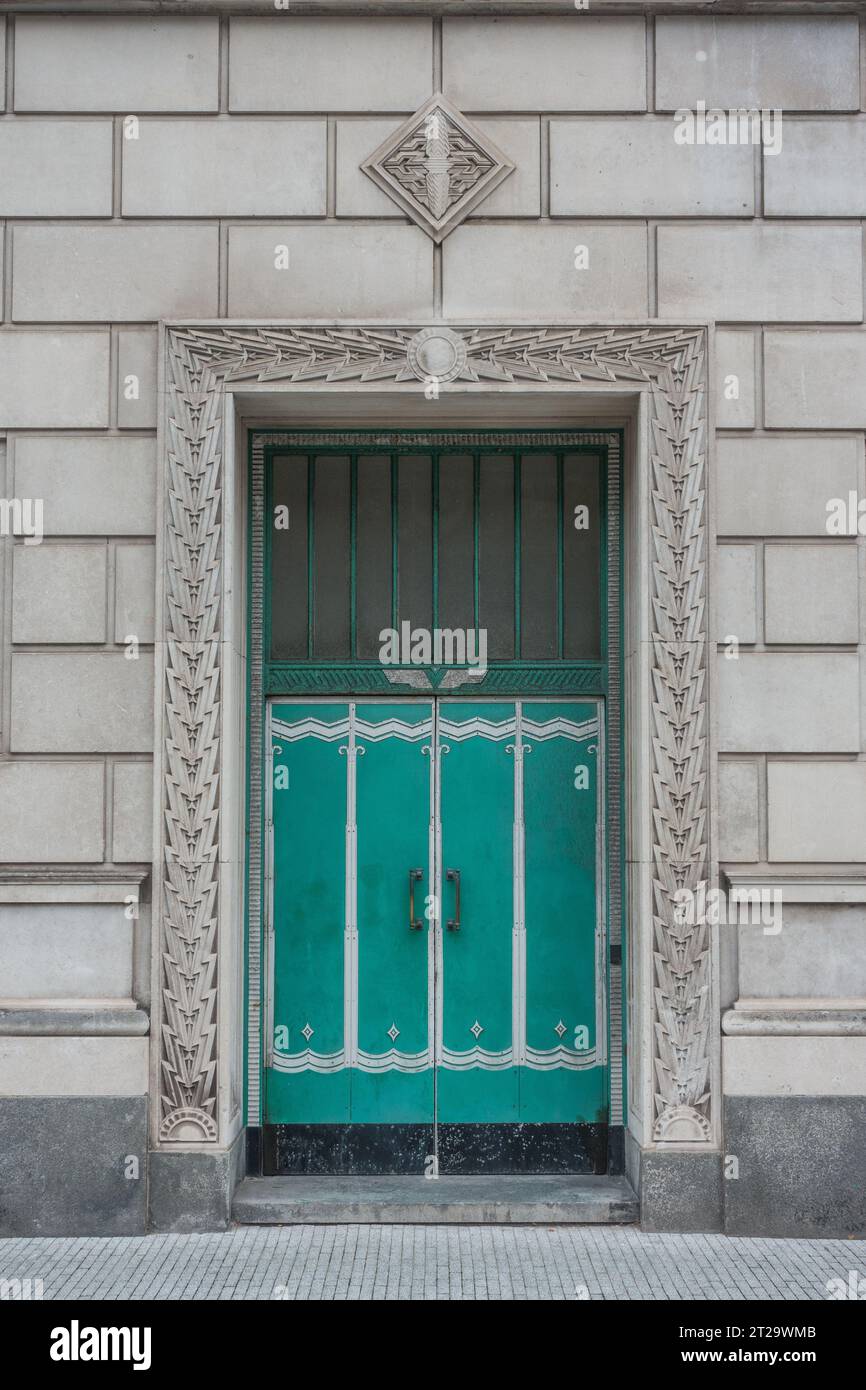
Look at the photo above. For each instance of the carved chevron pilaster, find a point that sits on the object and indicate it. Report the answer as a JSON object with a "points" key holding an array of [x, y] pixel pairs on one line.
{"points": [[671, 363]]}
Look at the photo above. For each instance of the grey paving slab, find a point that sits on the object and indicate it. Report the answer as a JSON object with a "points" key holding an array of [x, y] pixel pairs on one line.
{"points": [[428, 1262]]}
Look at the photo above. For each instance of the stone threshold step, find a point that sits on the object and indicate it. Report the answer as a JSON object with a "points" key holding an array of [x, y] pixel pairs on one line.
{"points": [[413, 1200]]}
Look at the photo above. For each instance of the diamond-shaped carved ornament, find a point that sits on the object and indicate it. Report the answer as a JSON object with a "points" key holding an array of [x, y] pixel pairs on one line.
{"points": [[437, 167]]}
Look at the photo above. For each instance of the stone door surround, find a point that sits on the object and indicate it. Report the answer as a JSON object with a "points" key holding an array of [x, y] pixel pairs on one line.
{"points": [[672, 986]]}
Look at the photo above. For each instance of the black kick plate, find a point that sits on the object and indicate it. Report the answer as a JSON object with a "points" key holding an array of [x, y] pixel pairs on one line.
{"points": [[523, 1148], [373, 1149], [356, 1150]]}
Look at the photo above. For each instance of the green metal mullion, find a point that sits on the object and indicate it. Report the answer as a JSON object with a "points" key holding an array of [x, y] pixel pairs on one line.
{"points": [[476, 536], [518, 472], [560, 561], [353, 555], [394, 521], [434, 480], [267, 551], [311, 550], [603, 559]]}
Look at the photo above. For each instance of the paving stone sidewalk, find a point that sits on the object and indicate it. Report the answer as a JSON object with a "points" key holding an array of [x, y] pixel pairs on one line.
{"points": [[429, 1262]]}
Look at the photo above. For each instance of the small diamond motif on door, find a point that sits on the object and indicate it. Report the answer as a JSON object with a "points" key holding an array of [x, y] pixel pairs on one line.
{"points": [[393, 1032], [476, 1029]]}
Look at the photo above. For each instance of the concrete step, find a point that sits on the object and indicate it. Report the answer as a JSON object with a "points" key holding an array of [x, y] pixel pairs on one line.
{"points": [[413, 1200]]}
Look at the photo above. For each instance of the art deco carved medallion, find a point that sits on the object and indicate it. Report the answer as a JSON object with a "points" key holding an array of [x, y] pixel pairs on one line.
{"points": [[437, 166]]}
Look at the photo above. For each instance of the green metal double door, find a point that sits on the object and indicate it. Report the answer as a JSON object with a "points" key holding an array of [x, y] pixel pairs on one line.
{"points": [[436, 937]]}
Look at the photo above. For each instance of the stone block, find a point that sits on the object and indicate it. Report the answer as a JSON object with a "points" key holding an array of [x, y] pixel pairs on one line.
{"points": [[820, 953], [757, 272], [135, 592], [331, 272], [236, 168], [796, 62], [794, 1066], [789, 702], [801, 1172], [136, 378], [680, 1191], [814, 380], [629, 167], [299, 63], [72, 953], [736, 593], [132, 839], [81, 702], [735, 379], [125, 63], [819, 172], [58, 593], [63, 1166], [193, 1191], [73, 1066], [529, 272], [55, 168], [118, 271], [811, 593], [551, 63], [738, 812], [53, 380], [51, 812], [778, 486], [816, 811], [89, 486]]}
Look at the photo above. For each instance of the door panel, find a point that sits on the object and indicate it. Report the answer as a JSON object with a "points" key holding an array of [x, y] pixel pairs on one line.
{"points": [[520, 817], [307, 1076], [392, 1080], [564, 1078], [477, 1080], [351, 993]]}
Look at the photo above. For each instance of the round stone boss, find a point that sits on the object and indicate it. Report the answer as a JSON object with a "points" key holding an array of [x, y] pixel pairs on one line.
{"points": [[438, 353]]}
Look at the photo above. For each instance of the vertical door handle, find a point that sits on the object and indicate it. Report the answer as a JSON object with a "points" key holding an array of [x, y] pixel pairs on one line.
{"points": [[415, 876], [453, 876]]}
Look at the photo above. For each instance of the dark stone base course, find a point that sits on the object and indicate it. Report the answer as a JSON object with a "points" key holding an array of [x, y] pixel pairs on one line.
{"points": [[680, 1192], [802, 1166], [801, 1170], [63, 1161], [193, 1191]]}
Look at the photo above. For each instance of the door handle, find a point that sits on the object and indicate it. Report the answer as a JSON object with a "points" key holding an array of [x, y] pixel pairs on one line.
{"points": [[415, 876], [453, 876]]}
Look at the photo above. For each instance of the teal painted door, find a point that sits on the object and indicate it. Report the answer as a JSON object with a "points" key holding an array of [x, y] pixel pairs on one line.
{"points": [[522, 999], [436, 932], [351, 992]]}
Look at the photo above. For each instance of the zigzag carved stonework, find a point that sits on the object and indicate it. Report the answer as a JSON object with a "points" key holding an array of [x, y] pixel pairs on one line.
{"points": [[670, 363]]}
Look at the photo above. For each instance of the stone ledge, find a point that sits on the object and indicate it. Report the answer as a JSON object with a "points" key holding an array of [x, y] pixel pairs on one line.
{"points": [[799, 888], [71, 884], [45, 1022], [441, 7], [742, 1020]]}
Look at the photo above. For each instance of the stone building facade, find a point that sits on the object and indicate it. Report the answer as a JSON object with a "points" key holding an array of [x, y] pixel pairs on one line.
{"points": [[226, 227]]}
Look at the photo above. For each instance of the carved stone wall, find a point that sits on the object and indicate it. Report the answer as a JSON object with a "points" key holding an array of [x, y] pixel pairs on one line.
{"points": [[670, 364]]}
